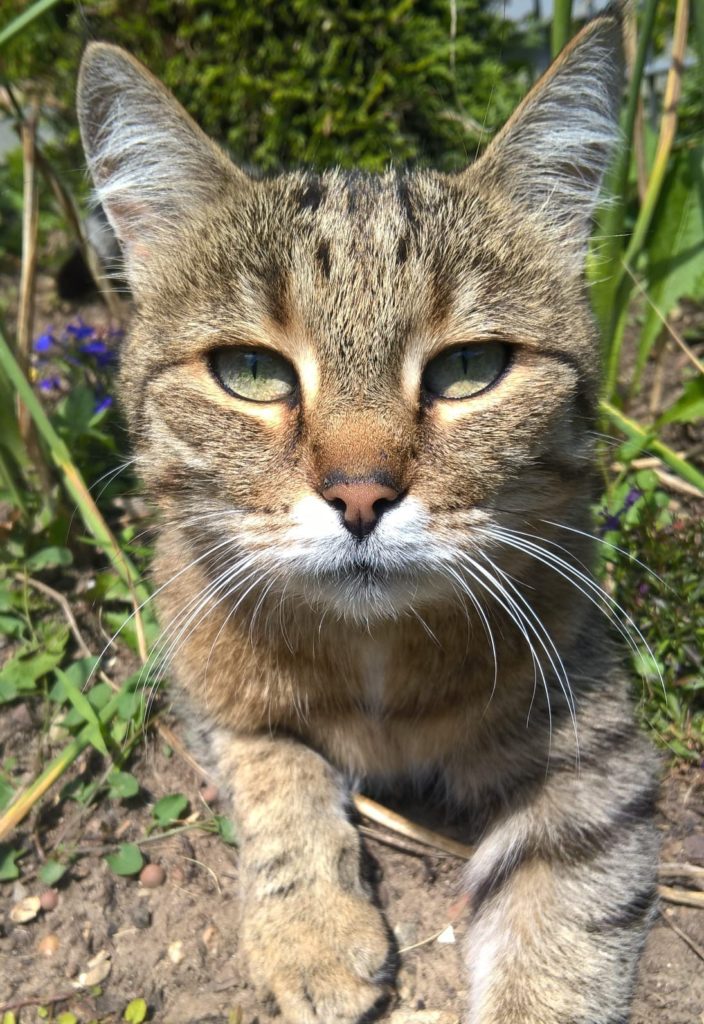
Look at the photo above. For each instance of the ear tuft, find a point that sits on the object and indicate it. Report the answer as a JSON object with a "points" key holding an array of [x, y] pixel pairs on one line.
{"points": [[552, 154], [150, 162]]}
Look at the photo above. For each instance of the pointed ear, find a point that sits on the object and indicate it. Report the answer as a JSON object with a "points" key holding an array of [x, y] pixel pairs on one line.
{"points": [[151, 164], [552, 154]]}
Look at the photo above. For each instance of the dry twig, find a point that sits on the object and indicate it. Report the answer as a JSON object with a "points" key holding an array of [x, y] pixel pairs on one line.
{"points": [[397, 823], [692, 943], [682, 897]]}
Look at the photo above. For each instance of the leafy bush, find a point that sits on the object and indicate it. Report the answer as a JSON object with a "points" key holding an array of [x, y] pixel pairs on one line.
{"points": [[355, 82]]}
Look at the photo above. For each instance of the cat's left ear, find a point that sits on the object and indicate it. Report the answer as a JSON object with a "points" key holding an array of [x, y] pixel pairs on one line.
{"points": [[551, 155]]}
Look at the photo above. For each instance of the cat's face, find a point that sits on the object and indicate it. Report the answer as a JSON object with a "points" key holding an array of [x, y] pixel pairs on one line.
{"points": [[342, 386]]}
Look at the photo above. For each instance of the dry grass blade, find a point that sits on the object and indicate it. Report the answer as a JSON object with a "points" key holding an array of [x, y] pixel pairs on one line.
{"points": [[683, 897], [675, 335], [397, 823], [671, 869]]}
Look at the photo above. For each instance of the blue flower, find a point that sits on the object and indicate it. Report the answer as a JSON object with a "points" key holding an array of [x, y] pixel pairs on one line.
{"points": [[102, 404], [100, 351], [80, 331], [43, 343], [50, 384]]}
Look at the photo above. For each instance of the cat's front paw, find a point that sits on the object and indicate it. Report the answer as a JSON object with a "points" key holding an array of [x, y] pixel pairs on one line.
{"points": [[325, 954]]}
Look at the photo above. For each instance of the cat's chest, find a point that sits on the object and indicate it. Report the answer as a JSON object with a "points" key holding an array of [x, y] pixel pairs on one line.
{"points": [[372, 662]]}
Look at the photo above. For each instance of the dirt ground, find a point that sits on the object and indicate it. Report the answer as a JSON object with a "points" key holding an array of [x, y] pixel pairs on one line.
{"points": [[176, 946]]}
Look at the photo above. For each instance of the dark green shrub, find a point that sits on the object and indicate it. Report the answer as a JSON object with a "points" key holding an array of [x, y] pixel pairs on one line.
{"points": [[360, 83]]}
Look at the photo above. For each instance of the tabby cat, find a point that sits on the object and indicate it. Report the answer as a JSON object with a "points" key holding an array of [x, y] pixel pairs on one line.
{"points": [[364, 406]]}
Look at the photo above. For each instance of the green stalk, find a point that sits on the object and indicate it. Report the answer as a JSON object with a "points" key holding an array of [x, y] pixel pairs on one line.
{"points": [[73, 481], [20, 808], [25, 18], [561, 30], [635, 432], [668, 129], [13, 491], [612, 220]]}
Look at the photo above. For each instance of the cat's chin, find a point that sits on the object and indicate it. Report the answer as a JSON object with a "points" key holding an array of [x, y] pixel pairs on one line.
{"points": [[364, 594]]}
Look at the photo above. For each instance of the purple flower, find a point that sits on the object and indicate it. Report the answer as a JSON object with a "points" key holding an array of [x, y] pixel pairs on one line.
{"points": [[102, 404], [643, 589], [50, 384], [99, 351], [632, 497], [94, 348], [610, 523], [43, 343], [80, 331]]}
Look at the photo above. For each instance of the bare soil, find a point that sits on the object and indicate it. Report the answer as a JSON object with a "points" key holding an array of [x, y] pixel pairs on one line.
{"points": [[176, 946]]}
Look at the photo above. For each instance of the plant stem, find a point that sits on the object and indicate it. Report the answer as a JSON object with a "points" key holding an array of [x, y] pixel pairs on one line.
{"points": [[73, 481], [666, 138], [561, 25], [611, 222], [24, 19], [20, 808], [636, 432]]}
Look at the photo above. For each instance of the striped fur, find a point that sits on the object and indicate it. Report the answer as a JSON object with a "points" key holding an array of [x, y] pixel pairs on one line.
{"points": [[463, 644]]}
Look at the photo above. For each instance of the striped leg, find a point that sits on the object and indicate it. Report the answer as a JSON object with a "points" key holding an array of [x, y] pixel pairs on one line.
{"points": [[562, 892]]}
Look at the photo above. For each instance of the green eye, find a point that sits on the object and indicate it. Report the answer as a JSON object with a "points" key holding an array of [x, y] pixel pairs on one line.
{"points": [[464, 372], [254, 373]]}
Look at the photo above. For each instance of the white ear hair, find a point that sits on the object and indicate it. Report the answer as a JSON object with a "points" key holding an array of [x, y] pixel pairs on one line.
{"points": [[150, 162], [552, 154]]}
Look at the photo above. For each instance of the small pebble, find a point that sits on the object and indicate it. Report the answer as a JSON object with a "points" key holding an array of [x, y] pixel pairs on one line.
{"points": [[209, 793], [152, 876], [48, 945], [49, 899]]}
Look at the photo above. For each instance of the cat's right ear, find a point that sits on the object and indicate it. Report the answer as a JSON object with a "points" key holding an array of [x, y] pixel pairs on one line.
{"points": [[152, 166]]}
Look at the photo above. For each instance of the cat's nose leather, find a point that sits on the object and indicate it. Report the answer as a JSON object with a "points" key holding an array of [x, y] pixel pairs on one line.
{"points": [[361, 502]]}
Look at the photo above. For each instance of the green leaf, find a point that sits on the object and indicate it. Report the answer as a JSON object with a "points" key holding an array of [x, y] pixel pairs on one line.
{"points": [[85, 709], [8, 863], [20, 674], [128, 860], [226, 829], [52, 871], [67, 1018], [135, 1012], [122, 785], [689, 407], [675, 249], [48, 558], [6, 793], [169, 809], [11, 626]]}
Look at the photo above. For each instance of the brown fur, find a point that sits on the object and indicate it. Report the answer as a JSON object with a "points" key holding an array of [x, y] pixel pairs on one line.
{"points": [[322, 658]]}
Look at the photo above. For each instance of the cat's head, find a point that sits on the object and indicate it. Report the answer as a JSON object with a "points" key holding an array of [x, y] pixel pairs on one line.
{"points": [[346, 385]]}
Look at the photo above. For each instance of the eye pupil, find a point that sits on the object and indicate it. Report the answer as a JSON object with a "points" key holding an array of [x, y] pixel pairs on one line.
{"points": [[465, 371], [257, 376]]}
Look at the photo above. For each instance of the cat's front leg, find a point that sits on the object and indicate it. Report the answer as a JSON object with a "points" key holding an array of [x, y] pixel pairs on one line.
{"points": [[561, 894], [309, 931]]}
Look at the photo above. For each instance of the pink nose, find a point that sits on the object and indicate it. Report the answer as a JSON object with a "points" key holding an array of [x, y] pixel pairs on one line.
{"points": [[361, 503]]}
